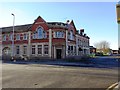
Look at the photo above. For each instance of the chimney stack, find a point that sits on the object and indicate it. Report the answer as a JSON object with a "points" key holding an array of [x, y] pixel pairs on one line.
{"points": [[81, 31], [67, 21], [85, 35]]}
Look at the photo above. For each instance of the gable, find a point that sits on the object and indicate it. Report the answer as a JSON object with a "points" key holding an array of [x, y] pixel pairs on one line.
{"points": [[72, 23], [39, 22], [72, 26]]}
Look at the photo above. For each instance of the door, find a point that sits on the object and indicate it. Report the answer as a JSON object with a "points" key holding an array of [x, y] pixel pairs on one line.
{"points": [[58, 53]]}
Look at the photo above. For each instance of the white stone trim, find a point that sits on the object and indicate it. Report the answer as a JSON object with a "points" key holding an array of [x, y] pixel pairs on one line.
{"points": [[66, 42], [50, 43]]}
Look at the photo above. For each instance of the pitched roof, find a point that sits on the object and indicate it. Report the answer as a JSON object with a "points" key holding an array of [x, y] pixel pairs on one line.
{"points": [[56, 25], [19, 28]]}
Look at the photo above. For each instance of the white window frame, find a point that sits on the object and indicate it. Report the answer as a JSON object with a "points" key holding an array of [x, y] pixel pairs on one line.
{"points": [[41, 33], [71, 35], [17, 36], [25, 50], [44, 34], [4, 37], [33, 47], [46, 46], [39, 47], [25, 36], [11, 37], [34, 36], [59, 34], [17, 49]]}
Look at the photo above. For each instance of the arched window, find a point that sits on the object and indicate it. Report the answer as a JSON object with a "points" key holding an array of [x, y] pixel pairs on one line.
{"points": [[71, 35], [41, 33], [44, 34], [34, 36]]}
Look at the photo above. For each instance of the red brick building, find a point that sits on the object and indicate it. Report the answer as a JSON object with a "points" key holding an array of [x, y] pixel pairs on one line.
{"points": [[45, 40]]}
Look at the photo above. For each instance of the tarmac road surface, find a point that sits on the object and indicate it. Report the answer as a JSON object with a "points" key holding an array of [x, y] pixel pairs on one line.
{"points": [[52, 76]]}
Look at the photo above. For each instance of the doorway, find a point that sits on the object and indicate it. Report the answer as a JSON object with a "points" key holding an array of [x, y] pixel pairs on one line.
{"points": [[58, 53]]}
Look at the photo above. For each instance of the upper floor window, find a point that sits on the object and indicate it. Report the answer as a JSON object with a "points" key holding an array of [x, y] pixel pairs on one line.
{"points": [[44, 34], [41, 33], [18, 37], [59, 34], [11, 37], [34, 36], [71, 35], [25, 37], [4, 37]]}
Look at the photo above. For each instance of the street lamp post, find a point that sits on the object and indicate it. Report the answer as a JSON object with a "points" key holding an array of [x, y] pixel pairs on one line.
{"points": [[13, 37]]}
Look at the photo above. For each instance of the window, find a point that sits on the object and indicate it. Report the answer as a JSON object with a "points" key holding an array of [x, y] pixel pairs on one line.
{"points": [[80, 42], [68, 47], [46, 49], [71, 36], [33, 49], [41, 33], [39, 49], [18, 37], [59, 34], [44, 34], [4, 37], [34, 36], [24, 49], [17, 50], [74, 49], [70, 50], [25, 37], [11, 37]]}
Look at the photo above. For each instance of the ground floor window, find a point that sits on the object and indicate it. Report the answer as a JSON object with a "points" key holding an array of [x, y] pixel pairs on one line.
{"points": [[70, 50], [39, 49], [6, 51], [45, 49], [74, 50], [33, 49], [24, 49], [17, 49]]}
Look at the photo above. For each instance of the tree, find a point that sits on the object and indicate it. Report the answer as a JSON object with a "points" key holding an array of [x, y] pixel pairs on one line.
{"points": [[103, 47]]}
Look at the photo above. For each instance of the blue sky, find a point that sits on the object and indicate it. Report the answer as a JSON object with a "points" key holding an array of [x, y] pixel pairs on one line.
{"points": [[97, 18]]}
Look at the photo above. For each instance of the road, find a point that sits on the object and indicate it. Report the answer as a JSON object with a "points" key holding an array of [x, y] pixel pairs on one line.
{"points": [[106, 61], [52, 76]]}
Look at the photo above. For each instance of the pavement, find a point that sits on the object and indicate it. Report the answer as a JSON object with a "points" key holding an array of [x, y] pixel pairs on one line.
{"points": [[99, 62]]}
